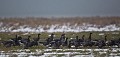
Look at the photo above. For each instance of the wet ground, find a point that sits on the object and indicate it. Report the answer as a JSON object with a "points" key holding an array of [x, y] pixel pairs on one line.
{"points": [[113, 52]]}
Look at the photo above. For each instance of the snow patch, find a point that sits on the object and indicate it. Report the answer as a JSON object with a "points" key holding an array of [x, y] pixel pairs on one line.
{"points": [[59, 28]]}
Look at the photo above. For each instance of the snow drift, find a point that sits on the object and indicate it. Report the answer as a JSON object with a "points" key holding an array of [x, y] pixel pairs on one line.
{"points": [[58, 28]]}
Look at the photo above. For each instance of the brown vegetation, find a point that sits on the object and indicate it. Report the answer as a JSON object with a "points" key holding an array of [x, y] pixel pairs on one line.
{"points": [[34, 21]]}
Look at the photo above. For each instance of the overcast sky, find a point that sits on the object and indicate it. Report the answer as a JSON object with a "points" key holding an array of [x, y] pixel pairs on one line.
{"points": [[59, 8]]}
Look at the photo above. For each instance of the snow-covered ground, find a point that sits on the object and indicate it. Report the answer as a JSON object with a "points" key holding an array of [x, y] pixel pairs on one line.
{"points": [[59, 28], [113, 52]]}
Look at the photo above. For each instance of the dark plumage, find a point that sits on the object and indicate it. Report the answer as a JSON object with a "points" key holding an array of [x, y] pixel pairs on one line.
{"points": [[8, 43], [88, 41], [60, 42], [38, 38], [26, 42]]}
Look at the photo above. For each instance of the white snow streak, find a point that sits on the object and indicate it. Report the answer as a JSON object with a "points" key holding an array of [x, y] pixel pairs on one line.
{"points": [[60, 28]]}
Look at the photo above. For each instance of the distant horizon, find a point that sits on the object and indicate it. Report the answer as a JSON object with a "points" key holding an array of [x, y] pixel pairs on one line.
{"points": [[63, 15], [51, 16]]}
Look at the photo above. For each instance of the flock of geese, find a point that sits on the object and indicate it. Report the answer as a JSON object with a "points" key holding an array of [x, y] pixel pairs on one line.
{"points": [[62, 41]]}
